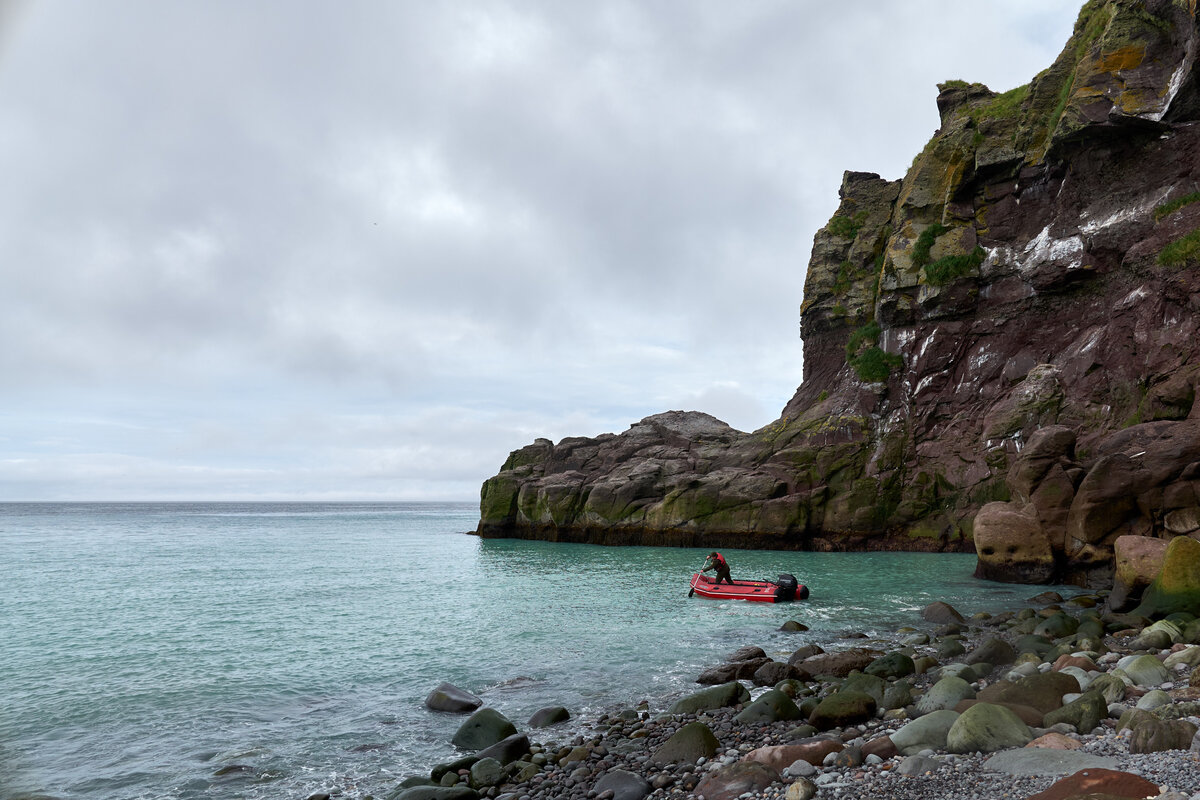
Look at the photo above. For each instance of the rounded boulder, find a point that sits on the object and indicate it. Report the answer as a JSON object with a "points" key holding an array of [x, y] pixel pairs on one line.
{"points": [[986, 728], [484, 728]]}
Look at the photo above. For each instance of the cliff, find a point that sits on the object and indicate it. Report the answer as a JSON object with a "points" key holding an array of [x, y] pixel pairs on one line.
{"points": [[1000, 349]]}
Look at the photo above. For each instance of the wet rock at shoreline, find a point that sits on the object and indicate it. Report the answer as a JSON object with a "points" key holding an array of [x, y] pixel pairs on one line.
{"points": [[448, 697], [484, 728], [551, 715]]}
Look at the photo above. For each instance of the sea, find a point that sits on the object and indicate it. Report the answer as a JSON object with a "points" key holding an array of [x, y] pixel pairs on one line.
{"points": [[278, 650]]}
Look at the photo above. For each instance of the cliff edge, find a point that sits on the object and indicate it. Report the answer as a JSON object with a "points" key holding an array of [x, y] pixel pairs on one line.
{"points": [[1000, 349]]}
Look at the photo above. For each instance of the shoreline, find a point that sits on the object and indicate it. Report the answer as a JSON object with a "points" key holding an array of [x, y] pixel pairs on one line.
{"points": [[620, 755], [736, 540]]}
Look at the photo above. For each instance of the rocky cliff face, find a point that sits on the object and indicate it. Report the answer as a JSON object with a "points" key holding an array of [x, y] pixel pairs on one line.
{"points": [[1000, 349]]}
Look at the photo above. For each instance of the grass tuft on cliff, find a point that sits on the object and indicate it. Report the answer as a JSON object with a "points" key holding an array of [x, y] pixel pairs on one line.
{"points": [[870, 363], [1168, 208], [1182, 252], [920, 251], [948, 269], [847, 227]]}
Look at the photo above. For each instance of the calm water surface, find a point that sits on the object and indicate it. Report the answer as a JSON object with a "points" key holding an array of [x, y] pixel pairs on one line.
{"points": [[277, 650]]}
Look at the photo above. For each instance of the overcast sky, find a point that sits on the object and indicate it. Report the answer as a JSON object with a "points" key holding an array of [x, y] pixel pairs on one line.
{"points": [[362, 250]]}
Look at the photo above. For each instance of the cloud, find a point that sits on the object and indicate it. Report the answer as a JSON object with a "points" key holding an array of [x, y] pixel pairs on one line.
{"points": [[238, 239]]}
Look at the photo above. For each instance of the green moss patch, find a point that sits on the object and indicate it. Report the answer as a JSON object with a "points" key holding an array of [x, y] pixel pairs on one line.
{"points": [[846, 227], [1002, 106], [1182, 251], [873, 365], [1174, 205], [951, 268], [870, 363], [920, 251]]}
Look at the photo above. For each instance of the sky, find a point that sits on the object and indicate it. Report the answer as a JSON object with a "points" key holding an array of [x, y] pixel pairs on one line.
{"points": [[362, 250]]}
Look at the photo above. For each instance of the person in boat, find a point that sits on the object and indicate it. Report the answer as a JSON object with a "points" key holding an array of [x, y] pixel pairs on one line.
{"points": [[717, 562]]}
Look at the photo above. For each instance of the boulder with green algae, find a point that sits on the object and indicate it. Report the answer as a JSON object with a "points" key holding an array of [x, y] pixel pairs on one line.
{"points": [[843, 708], [727, 694], [945, 694], [891, 666], [1043, 691], [1177, 585], [925, 732], [865, 683], [771, 706], [691, 742], [1150, 734], [1084, 712], [1142, 670], [986, 728]]}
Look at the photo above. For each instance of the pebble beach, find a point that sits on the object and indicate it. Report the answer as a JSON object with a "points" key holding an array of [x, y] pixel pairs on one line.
{"points": [[1048, 701]]}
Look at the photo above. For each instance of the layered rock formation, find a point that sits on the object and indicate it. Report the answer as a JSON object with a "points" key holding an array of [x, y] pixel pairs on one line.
{"points": [[1011, 327]]}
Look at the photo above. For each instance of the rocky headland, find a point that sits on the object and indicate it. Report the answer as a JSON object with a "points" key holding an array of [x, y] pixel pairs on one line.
{"points": [[1056, 700], [1000, 348]]}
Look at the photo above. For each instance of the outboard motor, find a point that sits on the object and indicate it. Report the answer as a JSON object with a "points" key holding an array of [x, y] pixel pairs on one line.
{"points": [[785, 588]]}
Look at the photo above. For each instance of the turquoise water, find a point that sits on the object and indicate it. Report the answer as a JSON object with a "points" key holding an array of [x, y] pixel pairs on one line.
{"points": [[275, 650]]}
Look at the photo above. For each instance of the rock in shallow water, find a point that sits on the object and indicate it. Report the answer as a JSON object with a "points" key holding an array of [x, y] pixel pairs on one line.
{"points": [[551, 715], [484, 728], [450, 698]]}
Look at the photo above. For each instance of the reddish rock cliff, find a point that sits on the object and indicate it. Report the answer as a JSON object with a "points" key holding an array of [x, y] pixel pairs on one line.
{"points": [[1012, 327]]}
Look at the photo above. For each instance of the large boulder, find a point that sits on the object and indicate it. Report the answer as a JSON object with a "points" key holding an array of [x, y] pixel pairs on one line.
{"points": [[941, 613], [843, 708], [508, 749], [839, 665], [1143, 670], [459, 792], [1177, 585], [780, 757], [623, 784], [1149, 734], [736, 780], [986, 728], [891, 666], [1099, 782], [1084, 712], [773, 672], [484, 728], [771, 706], [1011, 545], [550, 715], [1043, 691], [692, 741], [927, 732], [992, 651], [1137, 560], [945, 694], [727, 694], [448, 697]]}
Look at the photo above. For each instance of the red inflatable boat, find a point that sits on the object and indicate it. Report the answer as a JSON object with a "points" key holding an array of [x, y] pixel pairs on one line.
{"points": [[780, 590]]}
